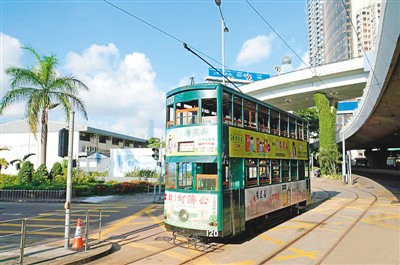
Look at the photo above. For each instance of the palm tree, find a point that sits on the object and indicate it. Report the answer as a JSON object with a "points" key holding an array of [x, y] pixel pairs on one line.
{"points": [[43, 90], [20, 161], [3, 162]]}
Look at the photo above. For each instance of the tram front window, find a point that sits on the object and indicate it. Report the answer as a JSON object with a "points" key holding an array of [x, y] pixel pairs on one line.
{"points": [[170, 179]]}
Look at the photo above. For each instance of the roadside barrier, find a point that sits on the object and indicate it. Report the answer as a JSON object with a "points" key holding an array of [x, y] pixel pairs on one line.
{"points": [[14, 243], [12, 195]]}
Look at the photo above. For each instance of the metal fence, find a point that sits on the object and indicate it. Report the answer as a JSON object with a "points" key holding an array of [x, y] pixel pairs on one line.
{"points": [[16, 243]]}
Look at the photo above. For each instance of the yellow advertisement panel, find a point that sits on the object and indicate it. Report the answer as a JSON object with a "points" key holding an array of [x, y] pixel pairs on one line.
{"points": [[249, 144]]}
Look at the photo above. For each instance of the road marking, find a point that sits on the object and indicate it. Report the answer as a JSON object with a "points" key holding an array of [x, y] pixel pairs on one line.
{"points": [[384, 225], [126, 220], [95, 211], [79, 215], [46, 233], [144, 246], [176, 255], [299, 252]]}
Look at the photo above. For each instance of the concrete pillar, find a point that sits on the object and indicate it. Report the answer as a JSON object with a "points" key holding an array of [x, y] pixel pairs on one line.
{"points": [[377, 159]]}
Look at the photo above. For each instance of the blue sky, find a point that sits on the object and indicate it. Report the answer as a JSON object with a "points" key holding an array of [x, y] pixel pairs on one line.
{"points": [[129, 66]]}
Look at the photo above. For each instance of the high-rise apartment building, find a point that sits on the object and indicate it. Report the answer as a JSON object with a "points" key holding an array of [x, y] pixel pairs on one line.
{"points": [[341, 29], [366, 23], [316, 31]]}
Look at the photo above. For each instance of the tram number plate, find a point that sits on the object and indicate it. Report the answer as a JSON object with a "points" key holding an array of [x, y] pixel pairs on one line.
{"points": [[212, 233]]}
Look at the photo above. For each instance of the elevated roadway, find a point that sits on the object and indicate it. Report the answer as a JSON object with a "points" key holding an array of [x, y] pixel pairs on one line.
{"points": [[295, 90], [376, 122]]}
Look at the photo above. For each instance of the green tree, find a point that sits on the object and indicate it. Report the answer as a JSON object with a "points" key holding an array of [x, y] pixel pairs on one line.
{"points": [[43, 90], [153, 142], [328, 156], [3, 162], [20, 161], [311, 115]]}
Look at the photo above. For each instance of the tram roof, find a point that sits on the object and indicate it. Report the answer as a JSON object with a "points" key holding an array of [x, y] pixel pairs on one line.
{"points": [[212, 86]]}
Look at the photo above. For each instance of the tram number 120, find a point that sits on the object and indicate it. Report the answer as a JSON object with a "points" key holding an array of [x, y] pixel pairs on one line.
{"points": [[212, 233]]}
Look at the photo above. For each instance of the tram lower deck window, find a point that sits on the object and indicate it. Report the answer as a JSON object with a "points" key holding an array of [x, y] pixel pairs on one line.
{"points": [[185, 176]]}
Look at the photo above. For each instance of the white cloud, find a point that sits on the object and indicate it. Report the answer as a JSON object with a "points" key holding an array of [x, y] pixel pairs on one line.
{"points": [[11, 54], [305, 58], [123, 96], [93, 60], [255, 50]]}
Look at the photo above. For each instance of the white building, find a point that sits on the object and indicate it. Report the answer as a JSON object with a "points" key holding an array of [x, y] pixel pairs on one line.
{"points": [[87, 141]]}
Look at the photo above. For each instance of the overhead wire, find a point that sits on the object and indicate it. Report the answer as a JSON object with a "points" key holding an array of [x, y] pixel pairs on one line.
{"points": [[287, 44], [160, 30]]}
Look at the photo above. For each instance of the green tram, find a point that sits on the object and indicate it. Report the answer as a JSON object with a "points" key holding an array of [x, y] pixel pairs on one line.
{"points": [[230, 160]]}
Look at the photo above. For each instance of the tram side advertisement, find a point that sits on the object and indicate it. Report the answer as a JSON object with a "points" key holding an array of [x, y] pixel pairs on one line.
{"points": [[266, 199], [249, 144], [192, 211]]}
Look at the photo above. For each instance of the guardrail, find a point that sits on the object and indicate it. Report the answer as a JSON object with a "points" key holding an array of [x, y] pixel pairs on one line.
{"points": [[23, 235], [12, 195]]}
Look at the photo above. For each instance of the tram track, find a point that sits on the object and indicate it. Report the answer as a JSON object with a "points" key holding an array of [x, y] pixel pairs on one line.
{"points": [[293, 241], [321, 223], [350, 227]]}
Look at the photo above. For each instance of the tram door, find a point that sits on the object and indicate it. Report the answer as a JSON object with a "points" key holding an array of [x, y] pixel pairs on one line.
{"points": [[237, 196]]}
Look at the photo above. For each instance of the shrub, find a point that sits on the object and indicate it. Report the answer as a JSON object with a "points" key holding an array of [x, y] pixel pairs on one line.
{"points": [[55, 170], [7, 181], [25, 173]]}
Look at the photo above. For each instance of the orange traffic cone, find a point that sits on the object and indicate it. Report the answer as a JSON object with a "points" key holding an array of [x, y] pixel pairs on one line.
{"points": [[78, 242]]}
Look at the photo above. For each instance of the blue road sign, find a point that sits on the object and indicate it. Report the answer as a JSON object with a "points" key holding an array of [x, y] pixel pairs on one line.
{"points": [[241, 75]]}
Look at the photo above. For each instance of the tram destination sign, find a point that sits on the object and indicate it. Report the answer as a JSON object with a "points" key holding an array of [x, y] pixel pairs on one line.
{"points": [[238, 75]]}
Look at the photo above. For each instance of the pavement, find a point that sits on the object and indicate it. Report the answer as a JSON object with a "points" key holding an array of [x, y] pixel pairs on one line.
{"points": [[55, 253]]}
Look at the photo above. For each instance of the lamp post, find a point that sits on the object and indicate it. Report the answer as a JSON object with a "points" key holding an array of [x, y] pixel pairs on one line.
{"points": [[67, 205], [343, 153], [224, 29]]}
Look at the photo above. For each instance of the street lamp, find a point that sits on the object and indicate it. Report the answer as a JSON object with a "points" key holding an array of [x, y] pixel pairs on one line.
{"points": [[224, 29]]}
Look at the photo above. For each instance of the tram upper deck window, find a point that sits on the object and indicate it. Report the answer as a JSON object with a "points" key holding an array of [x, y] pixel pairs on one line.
{"points": [[263, 119], [251, 172], [170, 116], [209, 111], [274, 122], [299, 130], [250, 111], [237, 111], [206, 176], [292, 128], [185, 175], [187, 112], [264, 168], [284, 125], [170, 176], [227, 108]]}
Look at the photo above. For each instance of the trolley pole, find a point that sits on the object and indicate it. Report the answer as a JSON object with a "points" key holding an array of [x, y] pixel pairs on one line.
{"points": [[161, 167], [67, 205]]}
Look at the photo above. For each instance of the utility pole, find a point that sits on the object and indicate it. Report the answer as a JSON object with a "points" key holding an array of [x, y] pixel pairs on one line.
{"points": [[67, 205]]}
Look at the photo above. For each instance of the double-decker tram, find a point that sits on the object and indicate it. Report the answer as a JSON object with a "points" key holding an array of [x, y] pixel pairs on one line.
{"points": [[231, 160]]}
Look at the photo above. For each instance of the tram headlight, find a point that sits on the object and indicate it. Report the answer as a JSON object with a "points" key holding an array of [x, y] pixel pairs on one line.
{"points": [[183, 215]]}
